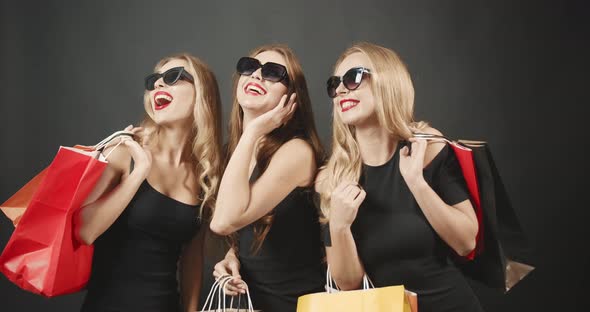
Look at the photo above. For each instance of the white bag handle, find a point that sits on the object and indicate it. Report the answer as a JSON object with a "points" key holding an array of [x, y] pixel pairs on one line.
{"points": [[111, 137], [218, 288], [332, 287], [367, 284]]}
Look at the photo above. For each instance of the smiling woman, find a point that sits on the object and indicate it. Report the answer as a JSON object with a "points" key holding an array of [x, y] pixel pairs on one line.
{"points": [[264, 195], [145, 222], [393, 213]]}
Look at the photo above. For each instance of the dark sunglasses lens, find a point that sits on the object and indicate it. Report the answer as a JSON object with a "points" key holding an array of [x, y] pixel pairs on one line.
{"points": [[247, 65], [171, 76], [273, 72], [352, 79], [332, 85], [150, 81]]}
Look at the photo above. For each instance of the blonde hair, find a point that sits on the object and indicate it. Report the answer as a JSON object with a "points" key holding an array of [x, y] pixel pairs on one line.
{"points": [[301, 125], [206, 131], [393, 93]]}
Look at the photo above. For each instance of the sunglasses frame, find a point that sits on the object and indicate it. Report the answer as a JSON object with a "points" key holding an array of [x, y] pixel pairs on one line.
{"points": [[182, 74], [283, 79], [358, 79]]}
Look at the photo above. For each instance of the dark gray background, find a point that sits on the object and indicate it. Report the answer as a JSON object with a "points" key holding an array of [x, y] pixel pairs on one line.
{"points": [[509, 72]]}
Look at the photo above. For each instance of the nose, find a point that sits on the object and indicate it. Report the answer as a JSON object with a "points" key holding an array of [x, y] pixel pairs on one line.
{"points": [[257, 74], [340, 89], [159, 83]]}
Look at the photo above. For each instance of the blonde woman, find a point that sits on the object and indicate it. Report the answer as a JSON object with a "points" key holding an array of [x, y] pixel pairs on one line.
{"points": [[396, 207], [146, 219], [265, 191]]}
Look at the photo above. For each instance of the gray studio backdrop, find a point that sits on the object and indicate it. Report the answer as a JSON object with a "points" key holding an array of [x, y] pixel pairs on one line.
{"points": [[509, 72]]}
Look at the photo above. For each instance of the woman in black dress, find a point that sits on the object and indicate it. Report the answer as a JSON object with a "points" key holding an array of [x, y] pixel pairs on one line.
{"points": [[265, 191], [397, 208], [145, 222]]}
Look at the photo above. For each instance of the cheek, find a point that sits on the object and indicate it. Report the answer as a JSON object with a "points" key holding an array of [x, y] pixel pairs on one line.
{"points": [[276, 91], [186, 98]]}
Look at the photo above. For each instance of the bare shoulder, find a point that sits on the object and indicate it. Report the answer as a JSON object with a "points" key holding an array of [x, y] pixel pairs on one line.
{"points": [[296, 158], [321, 181], [296, 150], [433, 147], [119, 158]]}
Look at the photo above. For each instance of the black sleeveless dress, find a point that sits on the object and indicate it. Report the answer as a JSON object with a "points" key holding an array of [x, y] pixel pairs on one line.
{"points": [[397, 245], [290, 262], [135, 261]]}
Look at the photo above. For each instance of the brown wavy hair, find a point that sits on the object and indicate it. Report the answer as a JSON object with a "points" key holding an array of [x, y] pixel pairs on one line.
{"points": [[301, 126]]}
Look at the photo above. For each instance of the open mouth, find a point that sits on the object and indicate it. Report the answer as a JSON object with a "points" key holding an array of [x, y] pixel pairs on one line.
{"points": [[348, 104], [254, 89], [162, 100]]}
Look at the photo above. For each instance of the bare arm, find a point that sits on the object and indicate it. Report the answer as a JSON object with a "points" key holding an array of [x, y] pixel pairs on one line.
{"points": [[191, 271], [114, 190], [293, 164], [239, 203], [457, 224], [345, 265]]}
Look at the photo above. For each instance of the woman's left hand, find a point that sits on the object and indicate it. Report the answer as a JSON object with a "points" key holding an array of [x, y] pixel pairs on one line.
{"points": [[274, 118], [411, 165]]}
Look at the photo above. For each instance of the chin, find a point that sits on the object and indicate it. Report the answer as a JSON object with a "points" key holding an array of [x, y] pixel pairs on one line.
{"points": [[253, 106], [168, 120]]}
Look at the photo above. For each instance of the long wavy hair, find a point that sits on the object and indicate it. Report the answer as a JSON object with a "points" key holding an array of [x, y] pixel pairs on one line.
{"points": [[393, 93], [301, 125], [205, 149]]}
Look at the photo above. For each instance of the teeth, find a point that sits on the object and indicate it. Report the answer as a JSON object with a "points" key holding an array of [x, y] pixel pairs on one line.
{"points": [[255, 89], [163, 96], [348, 104]]}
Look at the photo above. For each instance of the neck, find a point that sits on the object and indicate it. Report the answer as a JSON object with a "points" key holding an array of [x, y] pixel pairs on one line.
{"points": [[376, 144], [174, 147], [249, 115]]}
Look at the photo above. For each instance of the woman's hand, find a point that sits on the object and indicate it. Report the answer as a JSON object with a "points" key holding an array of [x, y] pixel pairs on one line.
{"points": [[230, 266], [344, 204], [142, 157], [274, 118], [411, 165]]}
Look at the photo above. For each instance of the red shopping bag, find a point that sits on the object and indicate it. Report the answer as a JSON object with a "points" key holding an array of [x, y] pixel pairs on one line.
{"points": [[43, 255], [16, 205]]}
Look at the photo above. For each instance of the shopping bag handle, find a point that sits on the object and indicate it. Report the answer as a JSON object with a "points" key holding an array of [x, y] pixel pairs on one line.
{"points": [[331, 285], [440, 138], [102, 144], [218, 288]]}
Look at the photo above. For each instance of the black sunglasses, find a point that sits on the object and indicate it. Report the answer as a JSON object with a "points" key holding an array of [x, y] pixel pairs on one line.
{"points": [[351, 79], [171, 76], [270, 71]]}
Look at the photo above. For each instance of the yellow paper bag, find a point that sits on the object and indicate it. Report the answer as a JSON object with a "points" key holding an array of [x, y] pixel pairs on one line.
{"points": [[383, 299]]}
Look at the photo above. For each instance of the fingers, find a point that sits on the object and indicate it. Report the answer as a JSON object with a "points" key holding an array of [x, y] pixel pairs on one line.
{"points": [[235, 270], [282, 103], [418, 148], [287, 102], [293, 107], [352, 191], [220, 269], [287, 109], [359, 199], [347, 191], [236, 285]]}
